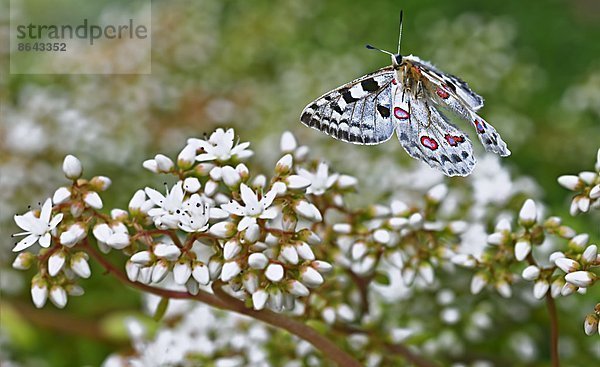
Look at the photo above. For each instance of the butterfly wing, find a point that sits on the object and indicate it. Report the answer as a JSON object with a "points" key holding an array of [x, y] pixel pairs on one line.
{"points": [[427, 135], [357, 112], [451, 92]]}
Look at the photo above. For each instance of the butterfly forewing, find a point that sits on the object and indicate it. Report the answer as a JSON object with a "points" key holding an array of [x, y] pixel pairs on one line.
{"points": [[357, 112]]}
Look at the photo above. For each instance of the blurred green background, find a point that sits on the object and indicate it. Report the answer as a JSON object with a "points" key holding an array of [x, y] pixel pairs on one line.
{"points": [[254, 65]]}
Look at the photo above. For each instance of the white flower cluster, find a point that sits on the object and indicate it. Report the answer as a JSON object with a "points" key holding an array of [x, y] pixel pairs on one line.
{"points": [[587, 186], [60, 261]]}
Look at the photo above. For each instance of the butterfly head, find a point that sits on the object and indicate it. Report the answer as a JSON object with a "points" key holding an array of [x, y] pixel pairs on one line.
{"points": [[396, 60]]}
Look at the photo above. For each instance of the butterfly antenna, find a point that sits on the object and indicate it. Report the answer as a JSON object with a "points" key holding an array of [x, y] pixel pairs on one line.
{"points": [[378, 49], [400, 31]]}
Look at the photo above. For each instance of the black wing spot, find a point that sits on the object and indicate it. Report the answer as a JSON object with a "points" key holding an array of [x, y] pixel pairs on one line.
{"points": [[306, 117], [455, 158], [383, 111], [336, 107], [445, 158], [348, 97], [465, 155], [369, 85], [403, 137]]}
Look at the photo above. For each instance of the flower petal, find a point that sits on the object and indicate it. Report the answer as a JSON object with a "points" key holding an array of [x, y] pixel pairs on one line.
{"points": [[248, 196], [156, 197], [25, 221], [245, 223], [233, 207], [55, 220], [267, 200], [269, 213], [25, 242], [45, 240], [46, 211]]}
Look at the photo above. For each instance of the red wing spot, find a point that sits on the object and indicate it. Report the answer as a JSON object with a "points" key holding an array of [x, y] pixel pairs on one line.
{"points": [[442, 93], [480, 126], [394, 81], [401, 114], [453, 140], [428, 142]]}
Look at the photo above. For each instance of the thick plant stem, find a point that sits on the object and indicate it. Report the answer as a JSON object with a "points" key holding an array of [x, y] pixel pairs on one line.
{"points": [[225, 302], [553, 330]]}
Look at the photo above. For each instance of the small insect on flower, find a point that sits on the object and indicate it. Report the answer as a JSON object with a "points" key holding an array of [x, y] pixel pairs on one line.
{"points": [[407, 97]]}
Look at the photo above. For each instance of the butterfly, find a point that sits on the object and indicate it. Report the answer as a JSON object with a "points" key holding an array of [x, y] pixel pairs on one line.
{"points": [[409, 97]]}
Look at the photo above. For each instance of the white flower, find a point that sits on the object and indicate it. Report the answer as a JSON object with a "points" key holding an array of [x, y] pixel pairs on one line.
{"points": [[320, 180], [75, 233], [528, 213], [194, 215], [220, 147], [36, 228], [61, 195], [230, 176], [114, 236], [253, 208], [92, 199], [165, 214], [72, 167], [274, 272]]}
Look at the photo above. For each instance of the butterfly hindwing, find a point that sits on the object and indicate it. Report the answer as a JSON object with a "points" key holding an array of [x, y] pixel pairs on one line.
{"points": [[426, 134], [357, 112]]}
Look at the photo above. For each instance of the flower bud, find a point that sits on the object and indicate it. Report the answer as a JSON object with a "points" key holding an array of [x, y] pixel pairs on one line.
{"points": [[200, 273], [72, 167], [437, 193], [588, 177], [257, 260], [58, 296], [231, 249], [567, 265], [163, 163], [531, 272], [346, 181], [310, 277], [590, 254], [274, 272], [570, 182], [540, 288], [581, 279], [61, 195], [478, 282], [308, 210], [160, 270], [259, 299], [142, 258], [528, 214], [187, 157], [223, 229], [39, 292], [289, 254], [75, 233], [304, 251], [595, 192], [579, 242], [284, 164], [79, 265], [167, 251], [230, 270], [182, 272], [100, 183], [288, 142], [590, 325], [92, 199], [23, 261], [297, 289], [132, 269], [297, 182], [522, 249], [230, 176]]}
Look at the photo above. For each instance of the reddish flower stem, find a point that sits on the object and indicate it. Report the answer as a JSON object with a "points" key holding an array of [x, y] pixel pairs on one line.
{"points": [[226, 302], [553, 330]]}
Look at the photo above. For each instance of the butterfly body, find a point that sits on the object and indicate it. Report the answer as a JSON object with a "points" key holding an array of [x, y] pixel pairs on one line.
{"points": [[409, 98]]}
